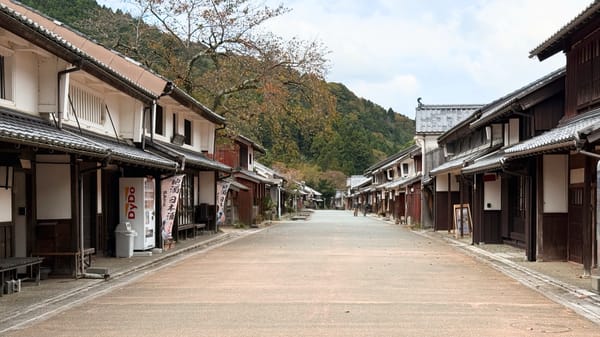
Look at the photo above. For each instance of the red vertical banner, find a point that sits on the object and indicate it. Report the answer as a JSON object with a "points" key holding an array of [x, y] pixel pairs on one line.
{"points": [[169, 189]]}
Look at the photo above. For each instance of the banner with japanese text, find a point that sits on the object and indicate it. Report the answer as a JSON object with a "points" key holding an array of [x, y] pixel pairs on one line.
{"points": [[222, 189], [169, 190]]}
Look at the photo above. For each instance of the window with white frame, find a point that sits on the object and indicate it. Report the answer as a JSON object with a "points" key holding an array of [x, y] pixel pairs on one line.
{"points": [[404, 169], [87, 106], [390, 174]]}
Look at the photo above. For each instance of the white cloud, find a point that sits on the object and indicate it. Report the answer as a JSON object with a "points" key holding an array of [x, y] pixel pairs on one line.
{"points": [[447, 51]]}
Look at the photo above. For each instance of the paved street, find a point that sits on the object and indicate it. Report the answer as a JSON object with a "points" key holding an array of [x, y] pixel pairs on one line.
{"points": [[333, 275]]}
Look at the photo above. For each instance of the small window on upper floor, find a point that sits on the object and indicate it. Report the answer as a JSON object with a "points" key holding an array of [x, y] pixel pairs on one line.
{"points": [[159, 127], [404, 169], [187, 132], [6, 77], [390, 174]]}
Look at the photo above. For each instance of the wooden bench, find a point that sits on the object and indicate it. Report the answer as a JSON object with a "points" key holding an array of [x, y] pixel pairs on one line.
{"points": [[186, 229], [87, 258], [193, 227], [9, 265]]}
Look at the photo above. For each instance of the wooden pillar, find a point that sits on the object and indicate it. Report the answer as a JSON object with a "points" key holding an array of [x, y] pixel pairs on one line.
{"points": [[587, 218], [449, 202]]}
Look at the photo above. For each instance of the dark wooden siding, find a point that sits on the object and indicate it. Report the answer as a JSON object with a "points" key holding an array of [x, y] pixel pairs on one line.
{"points": [[490, 227], [443, 210], [547, 114], [413, 200], [583, 73], [6, 239], [553, 244]]}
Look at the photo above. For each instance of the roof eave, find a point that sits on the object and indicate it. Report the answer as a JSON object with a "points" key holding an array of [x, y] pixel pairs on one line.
{"points": [[557, 42]]}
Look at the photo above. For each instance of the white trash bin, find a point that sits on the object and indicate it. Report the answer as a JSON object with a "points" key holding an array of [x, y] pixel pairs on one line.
{"points": [[124, 240]]}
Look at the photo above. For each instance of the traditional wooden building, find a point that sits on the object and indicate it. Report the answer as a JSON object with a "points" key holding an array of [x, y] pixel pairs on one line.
{"points": [[396, 185], [486, 179], [74, 124], [438, 193], [248, 206], [568, 155]]}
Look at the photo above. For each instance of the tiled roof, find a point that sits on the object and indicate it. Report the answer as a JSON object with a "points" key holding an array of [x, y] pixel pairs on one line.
{"points": [[191, 158], [489, 162], [437, 119], [124, 152], [236, 185], [385, 163], [403, 182], [564, 136], [557, 42], [503, 104], [458, 161], [247, 141], [251, 176], [31, 20], [357, 181], [29, 130], [33, 131], [134, 73]]}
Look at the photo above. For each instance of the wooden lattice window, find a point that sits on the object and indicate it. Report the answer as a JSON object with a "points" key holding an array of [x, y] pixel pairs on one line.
{"points": [[587, 61], [86, 105], [185, 207]]}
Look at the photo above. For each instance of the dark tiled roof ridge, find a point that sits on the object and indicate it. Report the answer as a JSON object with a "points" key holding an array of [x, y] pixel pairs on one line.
{"points": [[510, 98], [529, 86], [449, 106]]}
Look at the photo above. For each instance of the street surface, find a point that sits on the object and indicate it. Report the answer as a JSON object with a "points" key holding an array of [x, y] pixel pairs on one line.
{"points": [[333, 275]]}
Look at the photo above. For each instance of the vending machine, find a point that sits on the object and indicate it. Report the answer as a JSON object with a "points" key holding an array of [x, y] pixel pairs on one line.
{"points": [[137, 208]]}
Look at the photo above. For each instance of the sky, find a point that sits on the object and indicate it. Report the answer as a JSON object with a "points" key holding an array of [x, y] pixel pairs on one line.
{"points": [[392, 52]]}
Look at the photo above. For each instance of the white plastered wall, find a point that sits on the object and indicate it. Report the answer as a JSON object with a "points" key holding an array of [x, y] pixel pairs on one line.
{"points": [[555, 183]]}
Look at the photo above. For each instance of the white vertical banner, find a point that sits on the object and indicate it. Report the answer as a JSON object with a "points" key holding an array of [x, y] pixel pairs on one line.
{"points": [[169, 189], [222, 189]]}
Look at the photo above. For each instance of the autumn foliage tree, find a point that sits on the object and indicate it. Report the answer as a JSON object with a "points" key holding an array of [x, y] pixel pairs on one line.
{"points": [[217, 51], [270, 89]]}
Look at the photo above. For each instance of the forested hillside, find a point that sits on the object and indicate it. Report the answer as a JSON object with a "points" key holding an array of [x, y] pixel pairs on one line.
{"points": [[285, 104]]}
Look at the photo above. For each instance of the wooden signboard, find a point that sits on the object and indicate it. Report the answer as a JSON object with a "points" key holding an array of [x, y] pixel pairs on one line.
{"points": [[463, 225]]}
